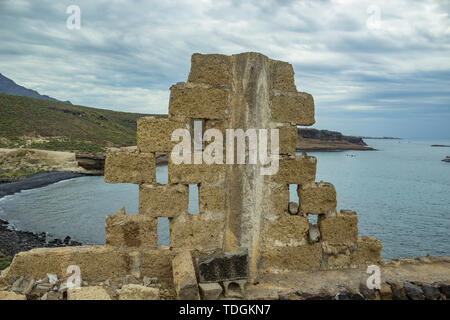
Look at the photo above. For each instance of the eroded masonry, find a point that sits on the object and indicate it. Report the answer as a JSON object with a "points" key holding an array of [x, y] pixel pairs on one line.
{"points": [[246, 226]]}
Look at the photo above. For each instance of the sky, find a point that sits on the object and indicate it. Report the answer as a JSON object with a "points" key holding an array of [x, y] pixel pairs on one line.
{"points": [[375, 68]]}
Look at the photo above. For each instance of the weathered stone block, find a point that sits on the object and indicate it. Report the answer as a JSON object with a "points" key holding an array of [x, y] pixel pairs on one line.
{"points": [[197, 101], [282, 76], [158, 263], [138, 292], [368, 251], [211, 198], [88, 293], [210, 291], [7, 295], [292, 258], [154, 134], [317, 198], [195, 173], [297, 170], [339, 228], [201, 231], [284, 229], [223, 267], [213, 69], [133, 230], [336, 256], [184, 278], [288, 136], [293, 107], [130, 167], [278, 199], [163, 200]]}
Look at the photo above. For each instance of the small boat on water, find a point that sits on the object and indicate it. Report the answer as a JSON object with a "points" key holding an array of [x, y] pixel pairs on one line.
{"points": [[447, 159]]}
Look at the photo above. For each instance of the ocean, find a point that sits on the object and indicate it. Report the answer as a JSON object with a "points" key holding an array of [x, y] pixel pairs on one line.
{"points": [[401, 193]]}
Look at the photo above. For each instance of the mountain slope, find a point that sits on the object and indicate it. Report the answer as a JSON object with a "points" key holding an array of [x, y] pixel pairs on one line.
{"points": [[88, 129], [8, 86]]}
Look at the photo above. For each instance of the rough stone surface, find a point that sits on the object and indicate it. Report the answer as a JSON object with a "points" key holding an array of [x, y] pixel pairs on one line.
{"points": [[23, 285], [210, 291], [195, 173], [8, 295], [234, 288], [223, 267], [197, 101], [163, 200], [317, 198], [211, 198], [288, 136], [284, 229], [88, 293], [292, 258], [154, 134], [431, 292], [131, 230], [184, 277], [412, 291], [297, 170], [339, 228], [138, 292], [213, 69], [336, 256], [293, 208], [385, 291], [365, 291], [368, 251], [297, 107], [278, 199], [130, 167], [282, 76], [201, 231], [398, 292]]}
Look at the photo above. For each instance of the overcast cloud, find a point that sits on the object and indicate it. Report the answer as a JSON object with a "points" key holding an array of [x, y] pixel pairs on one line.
{"points": [[368, 76]]}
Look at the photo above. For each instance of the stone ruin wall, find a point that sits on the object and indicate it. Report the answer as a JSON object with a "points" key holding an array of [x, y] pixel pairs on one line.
{"points": [[238, 207]]}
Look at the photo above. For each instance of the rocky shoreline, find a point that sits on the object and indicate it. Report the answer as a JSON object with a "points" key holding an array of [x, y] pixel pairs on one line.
{"points": [[13, 241]]}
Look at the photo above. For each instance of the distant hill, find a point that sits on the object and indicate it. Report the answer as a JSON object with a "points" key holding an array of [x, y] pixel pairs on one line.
{"points": [[82, 128], [310, 139], [8, 86]]}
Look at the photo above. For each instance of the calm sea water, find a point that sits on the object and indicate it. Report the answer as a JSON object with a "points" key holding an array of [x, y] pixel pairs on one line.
{"points": [[401, 194]]}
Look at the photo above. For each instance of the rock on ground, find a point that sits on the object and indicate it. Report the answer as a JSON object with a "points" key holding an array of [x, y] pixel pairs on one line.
{"points": [[138, 292], [88, 293]]}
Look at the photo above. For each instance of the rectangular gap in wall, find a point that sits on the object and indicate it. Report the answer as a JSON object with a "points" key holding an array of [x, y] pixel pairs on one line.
{"points": [[162, 174], [193, 207], [312, 218], [163, 231], [293, 197]]}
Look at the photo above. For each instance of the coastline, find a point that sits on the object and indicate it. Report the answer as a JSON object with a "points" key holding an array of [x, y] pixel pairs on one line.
{"points": [[36, 181], [13, 241]]}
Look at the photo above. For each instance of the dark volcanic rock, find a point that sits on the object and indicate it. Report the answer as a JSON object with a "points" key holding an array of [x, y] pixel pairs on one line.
{"points": [[223, 267], [412, 291], [431, 292]]}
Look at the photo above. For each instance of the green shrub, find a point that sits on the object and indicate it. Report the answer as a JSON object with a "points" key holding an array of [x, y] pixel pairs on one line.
{"points": [[5, 260]]}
